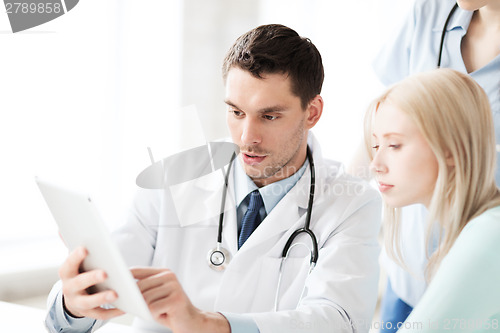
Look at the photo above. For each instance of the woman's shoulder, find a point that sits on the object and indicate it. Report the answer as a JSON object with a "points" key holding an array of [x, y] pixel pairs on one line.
{"points": [[490, 219], [478, 240], [485, 228]]}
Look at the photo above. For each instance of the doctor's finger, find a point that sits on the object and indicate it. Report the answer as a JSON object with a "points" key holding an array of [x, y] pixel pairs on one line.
{"points": [[103, 314], [156, 280], [82, 281], [88, 302], [71, 265], [163, 291], [144, 272]]}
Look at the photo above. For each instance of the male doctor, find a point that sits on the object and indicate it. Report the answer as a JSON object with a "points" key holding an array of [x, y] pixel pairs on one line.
{"points": [[273, 78]]}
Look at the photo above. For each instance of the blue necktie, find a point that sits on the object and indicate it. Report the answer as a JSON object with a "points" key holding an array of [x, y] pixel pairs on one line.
{"points": [[251, 219]]}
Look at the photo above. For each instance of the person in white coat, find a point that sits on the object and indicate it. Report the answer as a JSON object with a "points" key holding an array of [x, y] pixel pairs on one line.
{"points": [[273, 80]]}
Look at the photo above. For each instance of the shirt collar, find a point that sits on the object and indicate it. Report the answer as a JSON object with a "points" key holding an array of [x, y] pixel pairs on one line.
{"points": [[460, 19], [271, 194]]}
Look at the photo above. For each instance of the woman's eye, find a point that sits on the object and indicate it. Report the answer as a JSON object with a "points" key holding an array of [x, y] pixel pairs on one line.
{"points": [[394, 146], [375, 147]]}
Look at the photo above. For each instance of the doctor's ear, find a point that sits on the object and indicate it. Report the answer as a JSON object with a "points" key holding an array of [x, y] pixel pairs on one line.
{"points": [[314, 111]]}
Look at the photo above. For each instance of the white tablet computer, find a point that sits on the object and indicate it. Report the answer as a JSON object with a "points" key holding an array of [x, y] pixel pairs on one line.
{"points": [[80, 224]]}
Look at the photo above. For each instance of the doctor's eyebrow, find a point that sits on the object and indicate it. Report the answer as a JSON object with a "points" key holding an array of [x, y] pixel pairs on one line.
{"points": [[270, 109]]}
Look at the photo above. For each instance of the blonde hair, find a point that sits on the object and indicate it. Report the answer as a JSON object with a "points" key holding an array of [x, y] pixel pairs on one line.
{"points": [[453, 114]]}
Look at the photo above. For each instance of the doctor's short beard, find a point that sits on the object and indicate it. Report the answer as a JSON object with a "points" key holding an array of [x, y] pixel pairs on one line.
{"points": [[282, 160]]}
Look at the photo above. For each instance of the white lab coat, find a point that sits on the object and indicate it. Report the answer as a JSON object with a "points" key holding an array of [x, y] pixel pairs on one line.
{"points": [[341, 290], [340, 293]]}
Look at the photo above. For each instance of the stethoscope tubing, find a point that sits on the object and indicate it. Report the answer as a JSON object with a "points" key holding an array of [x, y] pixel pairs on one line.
{"points": [[221, 252], [306, 229], [443, 34], [223, 202]]}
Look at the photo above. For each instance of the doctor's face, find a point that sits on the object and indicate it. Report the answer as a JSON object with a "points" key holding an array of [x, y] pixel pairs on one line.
{"points": [[404, 165], [268, 124]]}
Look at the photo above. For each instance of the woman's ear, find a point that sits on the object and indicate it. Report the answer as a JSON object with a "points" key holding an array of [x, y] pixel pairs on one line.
{"points": [[314, 111]]}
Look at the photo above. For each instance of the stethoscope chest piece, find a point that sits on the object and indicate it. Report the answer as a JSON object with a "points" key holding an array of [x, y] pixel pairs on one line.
{"points": [[218, 258]]}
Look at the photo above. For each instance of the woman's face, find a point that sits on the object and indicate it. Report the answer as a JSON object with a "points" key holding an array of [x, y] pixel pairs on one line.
{"points": [[404, 165]]}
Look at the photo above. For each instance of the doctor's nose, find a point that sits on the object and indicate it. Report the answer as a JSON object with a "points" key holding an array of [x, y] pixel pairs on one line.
{"points": [[251, 133], [377, 165]]}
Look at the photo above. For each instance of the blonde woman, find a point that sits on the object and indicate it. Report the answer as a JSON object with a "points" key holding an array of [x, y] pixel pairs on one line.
{"points": [[459, 34], [432, 142]]}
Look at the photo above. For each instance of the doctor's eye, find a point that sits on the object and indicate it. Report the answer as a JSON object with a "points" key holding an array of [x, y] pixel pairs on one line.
{"points": [[395, 146], [236, 113], [270, 117], [375, 147]]}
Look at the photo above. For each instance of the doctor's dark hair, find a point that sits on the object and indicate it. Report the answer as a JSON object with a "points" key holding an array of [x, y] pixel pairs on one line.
{"points": [[275, 48]]}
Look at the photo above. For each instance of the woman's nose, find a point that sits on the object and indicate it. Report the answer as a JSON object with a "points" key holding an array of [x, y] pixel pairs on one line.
{"points": [[377, 164]]}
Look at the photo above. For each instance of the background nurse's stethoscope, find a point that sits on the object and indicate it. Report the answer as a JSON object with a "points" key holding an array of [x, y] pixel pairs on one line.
{"points": [[219, 257], [443, 34]]}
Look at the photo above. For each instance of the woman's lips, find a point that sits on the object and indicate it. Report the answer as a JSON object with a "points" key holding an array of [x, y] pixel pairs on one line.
{"points": [[252, 159], [384, 187]]}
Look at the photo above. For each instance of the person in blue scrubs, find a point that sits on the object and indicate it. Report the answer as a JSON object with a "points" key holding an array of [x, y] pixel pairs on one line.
{"points": [[471, 45]]}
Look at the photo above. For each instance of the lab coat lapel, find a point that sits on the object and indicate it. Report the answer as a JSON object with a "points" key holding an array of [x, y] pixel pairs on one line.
{"points": [[199, 202], [229, 230]]}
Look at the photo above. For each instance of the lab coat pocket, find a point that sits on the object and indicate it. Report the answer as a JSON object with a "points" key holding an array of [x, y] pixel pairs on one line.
{"points": [[293, 276]]}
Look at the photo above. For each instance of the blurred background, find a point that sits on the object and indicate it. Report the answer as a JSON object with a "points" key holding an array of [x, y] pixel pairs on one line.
{"points": [[83, 96]]}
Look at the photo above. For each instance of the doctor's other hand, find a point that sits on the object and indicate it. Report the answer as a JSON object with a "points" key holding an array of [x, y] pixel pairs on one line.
{"points": [[171, 307], [77, 301]]}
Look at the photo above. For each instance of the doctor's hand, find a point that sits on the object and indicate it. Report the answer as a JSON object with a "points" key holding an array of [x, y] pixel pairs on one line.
{"points": [[77, 301], [170, 305]]}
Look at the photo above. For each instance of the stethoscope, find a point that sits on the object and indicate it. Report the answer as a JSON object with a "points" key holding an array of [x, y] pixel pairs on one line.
{"points": [[443, 34], [218, 258]]}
